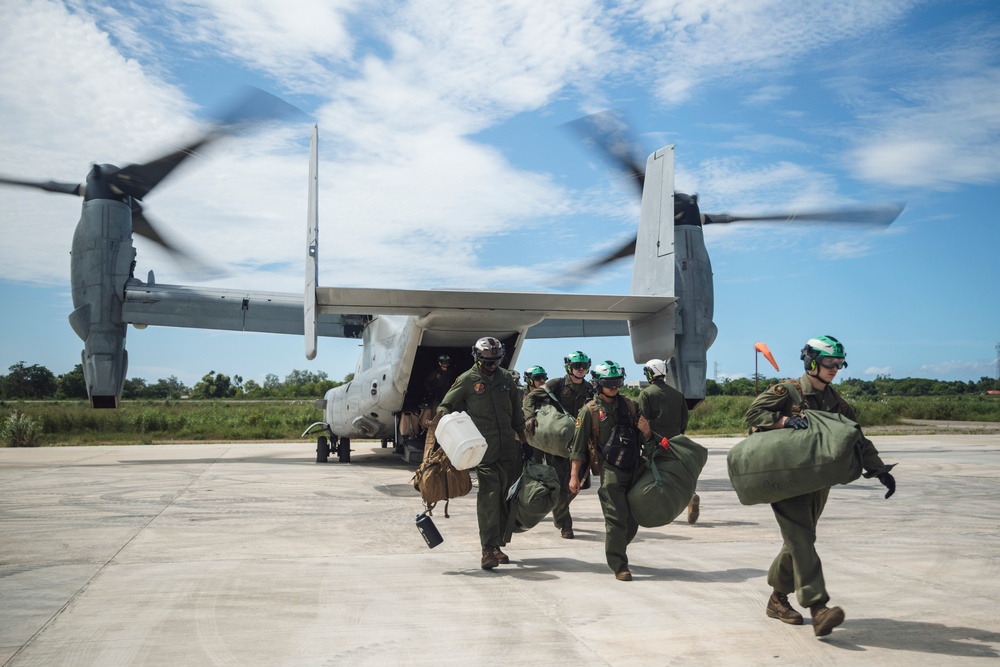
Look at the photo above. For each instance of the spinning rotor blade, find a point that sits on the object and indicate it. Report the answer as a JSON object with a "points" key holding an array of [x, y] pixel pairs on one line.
{"points": [[142, 226], [49, 186], [253, 106], [883, 215], [609, 134]]}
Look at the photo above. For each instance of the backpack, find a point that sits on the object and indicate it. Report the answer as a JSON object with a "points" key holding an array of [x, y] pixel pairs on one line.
{"points": [[437, 479], [595, 452]]}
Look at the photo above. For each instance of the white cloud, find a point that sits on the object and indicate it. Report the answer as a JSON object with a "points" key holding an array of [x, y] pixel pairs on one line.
{"points": [[943, 134], [964, 368], [701, 40], [878, 370]]}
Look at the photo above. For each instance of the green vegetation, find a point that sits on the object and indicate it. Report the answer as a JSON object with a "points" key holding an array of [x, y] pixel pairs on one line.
{"points": [[56, 423], [40, 408], [148, 422], [19, 430]]}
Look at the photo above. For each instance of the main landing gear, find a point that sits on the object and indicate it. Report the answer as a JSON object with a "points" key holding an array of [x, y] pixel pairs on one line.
{"points": [[340, 446]]}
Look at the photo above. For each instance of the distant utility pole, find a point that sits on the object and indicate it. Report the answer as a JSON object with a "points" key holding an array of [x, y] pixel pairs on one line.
{"points": [[716, 366], [998, 361]]}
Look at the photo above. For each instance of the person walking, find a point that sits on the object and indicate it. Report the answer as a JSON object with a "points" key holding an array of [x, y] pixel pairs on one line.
{"points": [[797, 567]]}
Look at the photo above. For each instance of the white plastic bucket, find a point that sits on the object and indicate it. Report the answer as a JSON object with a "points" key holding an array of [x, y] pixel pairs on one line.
{"points": [[460, 440]]}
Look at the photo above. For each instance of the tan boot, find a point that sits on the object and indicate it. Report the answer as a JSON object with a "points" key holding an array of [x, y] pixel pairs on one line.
{"points": [[502, 558], [825, 619], [623, 574], [490, 560], [778, 607], [694, 508]]}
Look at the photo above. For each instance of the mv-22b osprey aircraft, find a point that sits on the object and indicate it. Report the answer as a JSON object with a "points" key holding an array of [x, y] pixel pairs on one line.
{"points": [[667, 313]]}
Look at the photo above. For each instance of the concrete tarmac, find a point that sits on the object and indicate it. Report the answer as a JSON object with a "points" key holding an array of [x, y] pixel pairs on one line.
{"points": [[252, 554]]}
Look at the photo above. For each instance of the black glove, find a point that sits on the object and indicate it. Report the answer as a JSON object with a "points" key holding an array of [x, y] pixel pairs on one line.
{"points": [[797, 423], [888, 481], [527, 451]]}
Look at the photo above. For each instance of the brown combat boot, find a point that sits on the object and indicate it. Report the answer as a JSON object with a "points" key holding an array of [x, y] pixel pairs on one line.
{"points": [[623, 574], [490, 560], [825, 619], [694, 508], [502, 558], [566, 533], [778, 607]]}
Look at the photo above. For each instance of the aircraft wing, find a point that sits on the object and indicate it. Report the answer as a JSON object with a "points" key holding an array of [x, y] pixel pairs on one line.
{"points": [[229, 310], [343, 312], [420, 303]]}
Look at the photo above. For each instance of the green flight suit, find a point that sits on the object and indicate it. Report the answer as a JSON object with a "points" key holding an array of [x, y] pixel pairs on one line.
{"points": [[571, 397], [797, 567], [492, 404], [664, 407], [619, 526]]}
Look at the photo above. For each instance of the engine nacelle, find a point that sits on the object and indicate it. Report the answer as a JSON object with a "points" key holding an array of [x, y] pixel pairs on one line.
{"points": [[101, 263]]}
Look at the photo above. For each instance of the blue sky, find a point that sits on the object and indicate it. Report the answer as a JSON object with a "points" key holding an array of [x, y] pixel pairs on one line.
{"points": [[444, 163]]}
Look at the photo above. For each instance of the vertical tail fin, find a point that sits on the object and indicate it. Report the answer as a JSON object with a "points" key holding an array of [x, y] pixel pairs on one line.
{"points": [[653, 271], [312, 246]]}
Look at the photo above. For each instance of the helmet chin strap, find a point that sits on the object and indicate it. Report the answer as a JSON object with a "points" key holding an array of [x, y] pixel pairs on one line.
{"points": [[817, 376]]}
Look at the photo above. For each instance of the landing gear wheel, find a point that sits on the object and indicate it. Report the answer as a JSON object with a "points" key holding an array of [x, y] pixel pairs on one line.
{"points": [[322, 449], [344, 450]]}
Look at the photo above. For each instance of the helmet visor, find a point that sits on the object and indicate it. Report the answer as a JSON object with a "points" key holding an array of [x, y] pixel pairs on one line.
{"points": [[580, 366], [611, 383], [832, 362]]}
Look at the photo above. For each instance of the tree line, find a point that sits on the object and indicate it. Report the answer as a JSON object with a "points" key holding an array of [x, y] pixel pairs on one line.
{"points": [[39, 383], [35, 382]]}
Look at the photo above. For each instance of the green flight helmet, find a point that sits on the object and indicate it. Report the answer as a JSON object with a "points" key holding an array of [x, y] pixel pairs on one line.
{"points": [[577, 357], [822, 346], [608, 374], [535, 373], [444, 359]]}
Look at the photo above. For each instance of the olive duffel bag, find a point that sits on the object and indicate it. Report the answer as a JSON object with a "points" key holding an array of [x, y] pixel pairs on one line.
{"points": [[667, 482], [769, 466], [531, 497], [554, 432]]}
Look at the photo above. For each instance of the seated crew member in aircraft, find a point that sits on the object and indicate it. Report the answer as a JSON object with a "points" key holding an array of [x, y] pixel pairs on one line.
{"points": [[438, 381], [621, 436], [572, 392], [797, 567], [667, 412], [488, 394]]}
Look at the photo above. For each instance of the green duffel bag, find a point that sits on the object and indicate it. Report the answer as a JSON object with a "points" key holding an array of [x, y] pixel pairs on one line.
{"points": [[667, 482], [555, 430], [769, 466], [531, 497]]}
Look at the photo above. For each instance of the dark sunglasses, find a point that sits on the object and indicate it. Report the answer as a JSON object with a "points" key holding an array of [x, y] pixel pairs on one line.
{"points": [[580, 367], [489, 363], [542, 378]]}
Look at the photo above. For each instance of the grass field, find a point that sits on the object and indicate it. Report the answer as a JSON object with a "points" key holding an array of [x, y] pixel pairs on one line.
{"points": [[61, 423]]}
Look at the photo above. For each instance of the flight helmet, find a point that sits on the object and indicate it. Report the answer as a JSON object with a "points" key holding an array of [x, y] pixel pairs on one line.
{"points": [[488, 349], [822, 346], [655, 368], [608, 374], [535, 373], [576, 358]]}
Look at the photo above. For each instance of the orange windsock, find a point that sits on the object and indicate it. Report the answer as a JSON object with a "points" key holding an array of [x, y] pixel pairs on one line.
{"points": [[762, 348]]}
